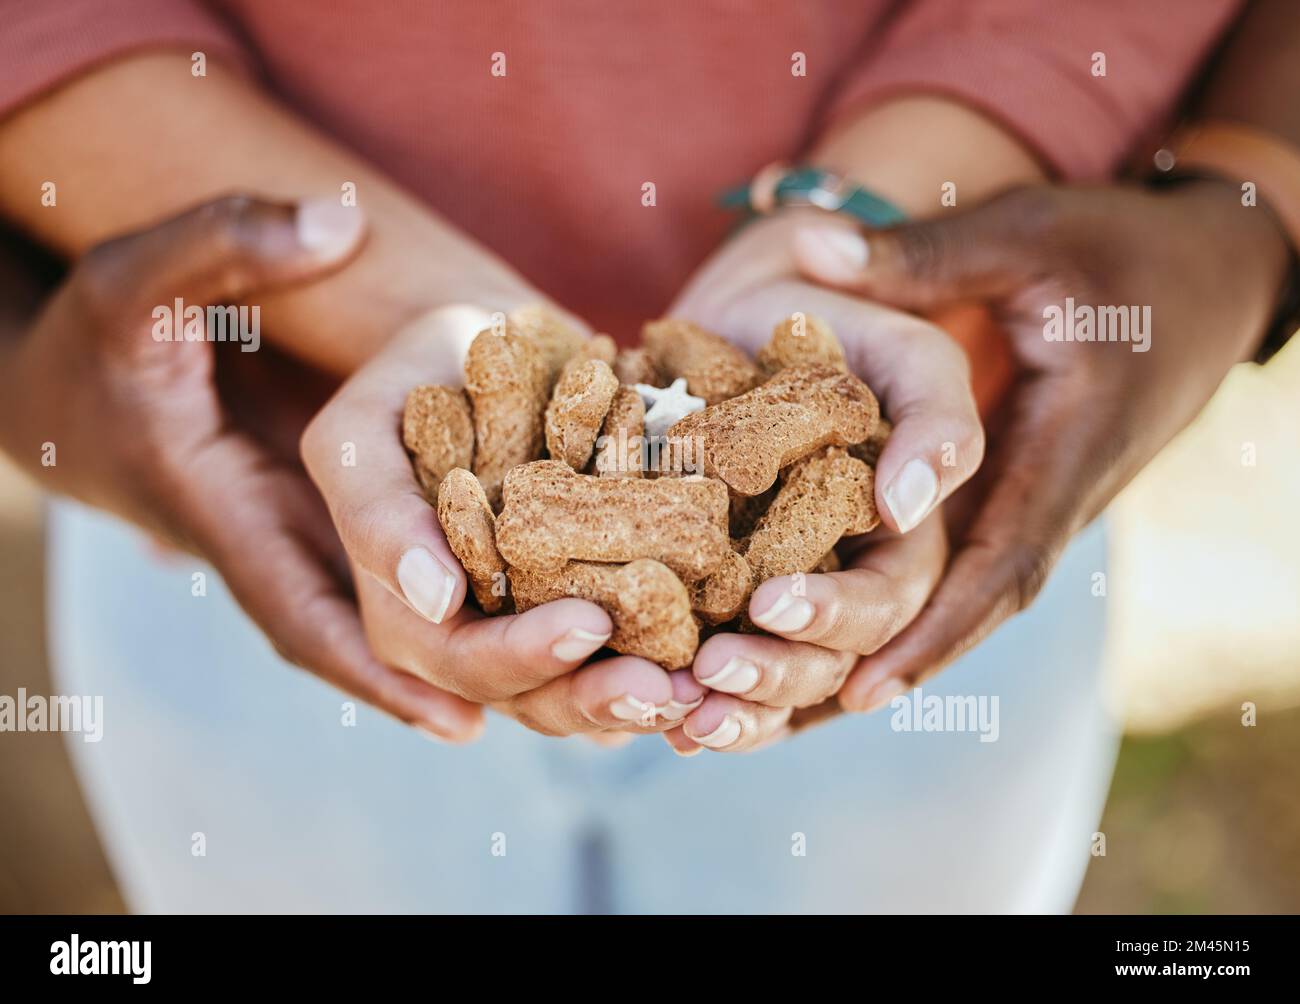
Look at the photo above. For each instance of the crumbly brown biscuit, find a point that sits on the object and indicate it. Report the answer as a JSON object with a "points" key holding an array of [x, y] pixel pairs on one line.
{"points": [[467, 521], [557, 341], [865, 515], [647, 603], [748, 439], [747, 510], [868, 451], [724, 594], [438, 431], [601, 347], [552, 515], [633, 366], [821, 497], [714, 368], [801, 340], [506, 380], [620, 449], [577, 410]]}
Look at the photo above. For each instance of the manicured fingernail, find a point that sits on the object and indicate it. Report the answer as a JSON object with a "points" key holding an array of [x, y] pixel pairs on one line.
{"points": [[912, 494], [834, 252], [328, 227], [789, 613], [429, 732], [727, 732], [881, 694], [693, 751], [737, 676], [629, 709], [577, 644], [425, 583], [675, 710]]}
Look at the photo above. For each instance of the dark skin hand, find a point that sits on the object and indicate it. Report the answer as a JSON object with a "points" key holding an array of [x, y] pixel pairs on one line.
{"points": [[1082, 418], [140, 428]]}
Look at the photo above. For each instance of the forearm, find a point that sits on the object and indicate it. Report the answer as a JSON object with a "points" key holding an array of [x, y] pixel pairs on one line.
{"points": [[908, 149], [138, 140], [1256, 77]]}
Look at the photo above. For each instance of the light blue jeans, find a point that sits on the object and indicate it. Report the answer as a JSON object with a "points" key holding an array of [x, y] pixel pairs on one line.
{"points": [[207, 732]]}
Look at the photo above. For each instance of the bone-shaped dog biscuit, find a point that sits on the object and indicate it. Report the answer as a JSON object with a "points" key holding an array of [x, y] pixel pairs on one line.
{"points": [[467, 521], [724, 594], [620, 449], [747, 440], [801, 340], [633, 366], [577, 410], [820, 499], [552, 515], [868, 451], [506, 380], [647, 603], [438, 431], [557, 341], [714, 369]]}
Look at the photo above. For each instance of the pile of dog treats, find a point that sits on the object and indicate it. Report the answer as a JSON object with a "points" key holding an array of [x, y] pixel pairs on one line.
{"points": [[662, 483]]}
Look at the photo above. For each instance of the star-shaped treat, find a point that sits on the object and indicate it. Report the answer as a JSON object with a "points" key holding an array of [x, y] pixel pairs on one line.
{"points": [[665, 406]]}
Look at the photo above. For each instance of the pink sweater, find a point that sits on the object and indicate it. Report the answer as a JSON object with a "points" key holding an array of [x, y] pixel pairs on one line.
{"points": [[545, 164]]}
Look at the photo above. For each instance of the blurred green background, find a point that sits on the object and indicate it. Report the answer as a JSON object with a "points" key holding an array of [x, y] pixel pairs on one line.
{"points": [[1204, 590]]}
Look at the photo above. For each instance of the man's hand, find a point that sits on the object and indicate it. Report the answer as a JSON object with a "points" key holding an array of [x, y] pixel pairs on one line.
{"points": [[1082, 417], [137, 427]]}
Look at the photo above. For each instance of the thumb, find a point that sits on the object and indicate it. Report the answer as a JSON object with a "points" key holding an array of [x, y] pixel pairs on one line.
{"points": [[224, 250], [919, 266]]}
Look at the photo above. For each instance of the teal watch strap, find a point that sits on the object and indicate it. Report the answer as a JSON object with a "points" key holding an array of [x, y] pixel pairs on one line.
{"points": [[810, 186]]}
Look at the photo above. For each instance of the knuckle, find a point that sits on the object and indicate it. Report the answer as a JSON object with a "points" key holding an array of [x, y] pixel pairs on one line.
{"points": [[532, 721], [922, 249], [360, 526], [99, 284], [1037, 211], [1030, 564]]}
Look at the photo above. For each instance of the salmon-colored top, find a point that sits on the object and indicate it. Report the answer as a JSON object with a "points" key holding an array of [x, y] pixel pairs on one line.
{"points": [[545, 163]]}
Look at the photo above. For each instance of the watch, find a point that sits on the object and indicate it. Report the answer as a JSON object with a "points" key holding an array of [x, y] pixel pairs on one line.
{"points": [[780, 185]]}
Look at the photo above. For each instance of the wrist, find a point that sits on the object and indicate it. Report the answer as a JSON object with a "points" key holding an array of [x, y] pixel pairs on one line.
{"points": [[1254, 244]]}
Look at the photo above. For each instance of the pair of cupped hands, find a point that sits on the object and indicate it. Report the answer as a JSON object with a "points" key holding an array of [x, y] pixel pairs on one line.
{"points": [[303, 498]]}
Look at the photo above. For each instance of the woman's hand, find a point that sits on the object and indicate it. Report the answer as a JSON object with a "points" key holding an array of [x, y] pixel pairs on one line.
{"points": [[135, 425], [1083, 417], [824, 623], [412, 589]]}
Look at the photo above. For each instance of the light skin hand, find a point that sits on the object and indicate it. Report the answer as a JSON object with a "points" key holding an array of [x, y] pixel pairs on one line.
{"points": [[922, 379], [412, 589]]}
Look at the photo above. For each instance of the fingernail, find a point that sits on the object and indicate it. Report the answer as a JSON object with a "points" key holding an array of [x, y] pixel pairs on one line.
{"points": [[425, 583], [674, 710], [835, 252], [737, 676], [327, 226], [693, 751], [912, 494], [881, 694], [787, 614], [727, 732], [577, 644], [628, 709]]}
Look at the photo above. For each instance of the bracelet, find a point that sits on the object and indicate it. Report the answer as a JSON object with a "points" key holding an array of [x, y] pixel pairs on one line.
{"points": [[780, 186]]}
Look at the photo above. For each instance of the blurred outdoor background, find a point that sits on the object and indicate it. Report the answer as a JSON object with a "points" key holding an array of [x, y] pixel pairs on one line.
{"points": [[1204, 813]]}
